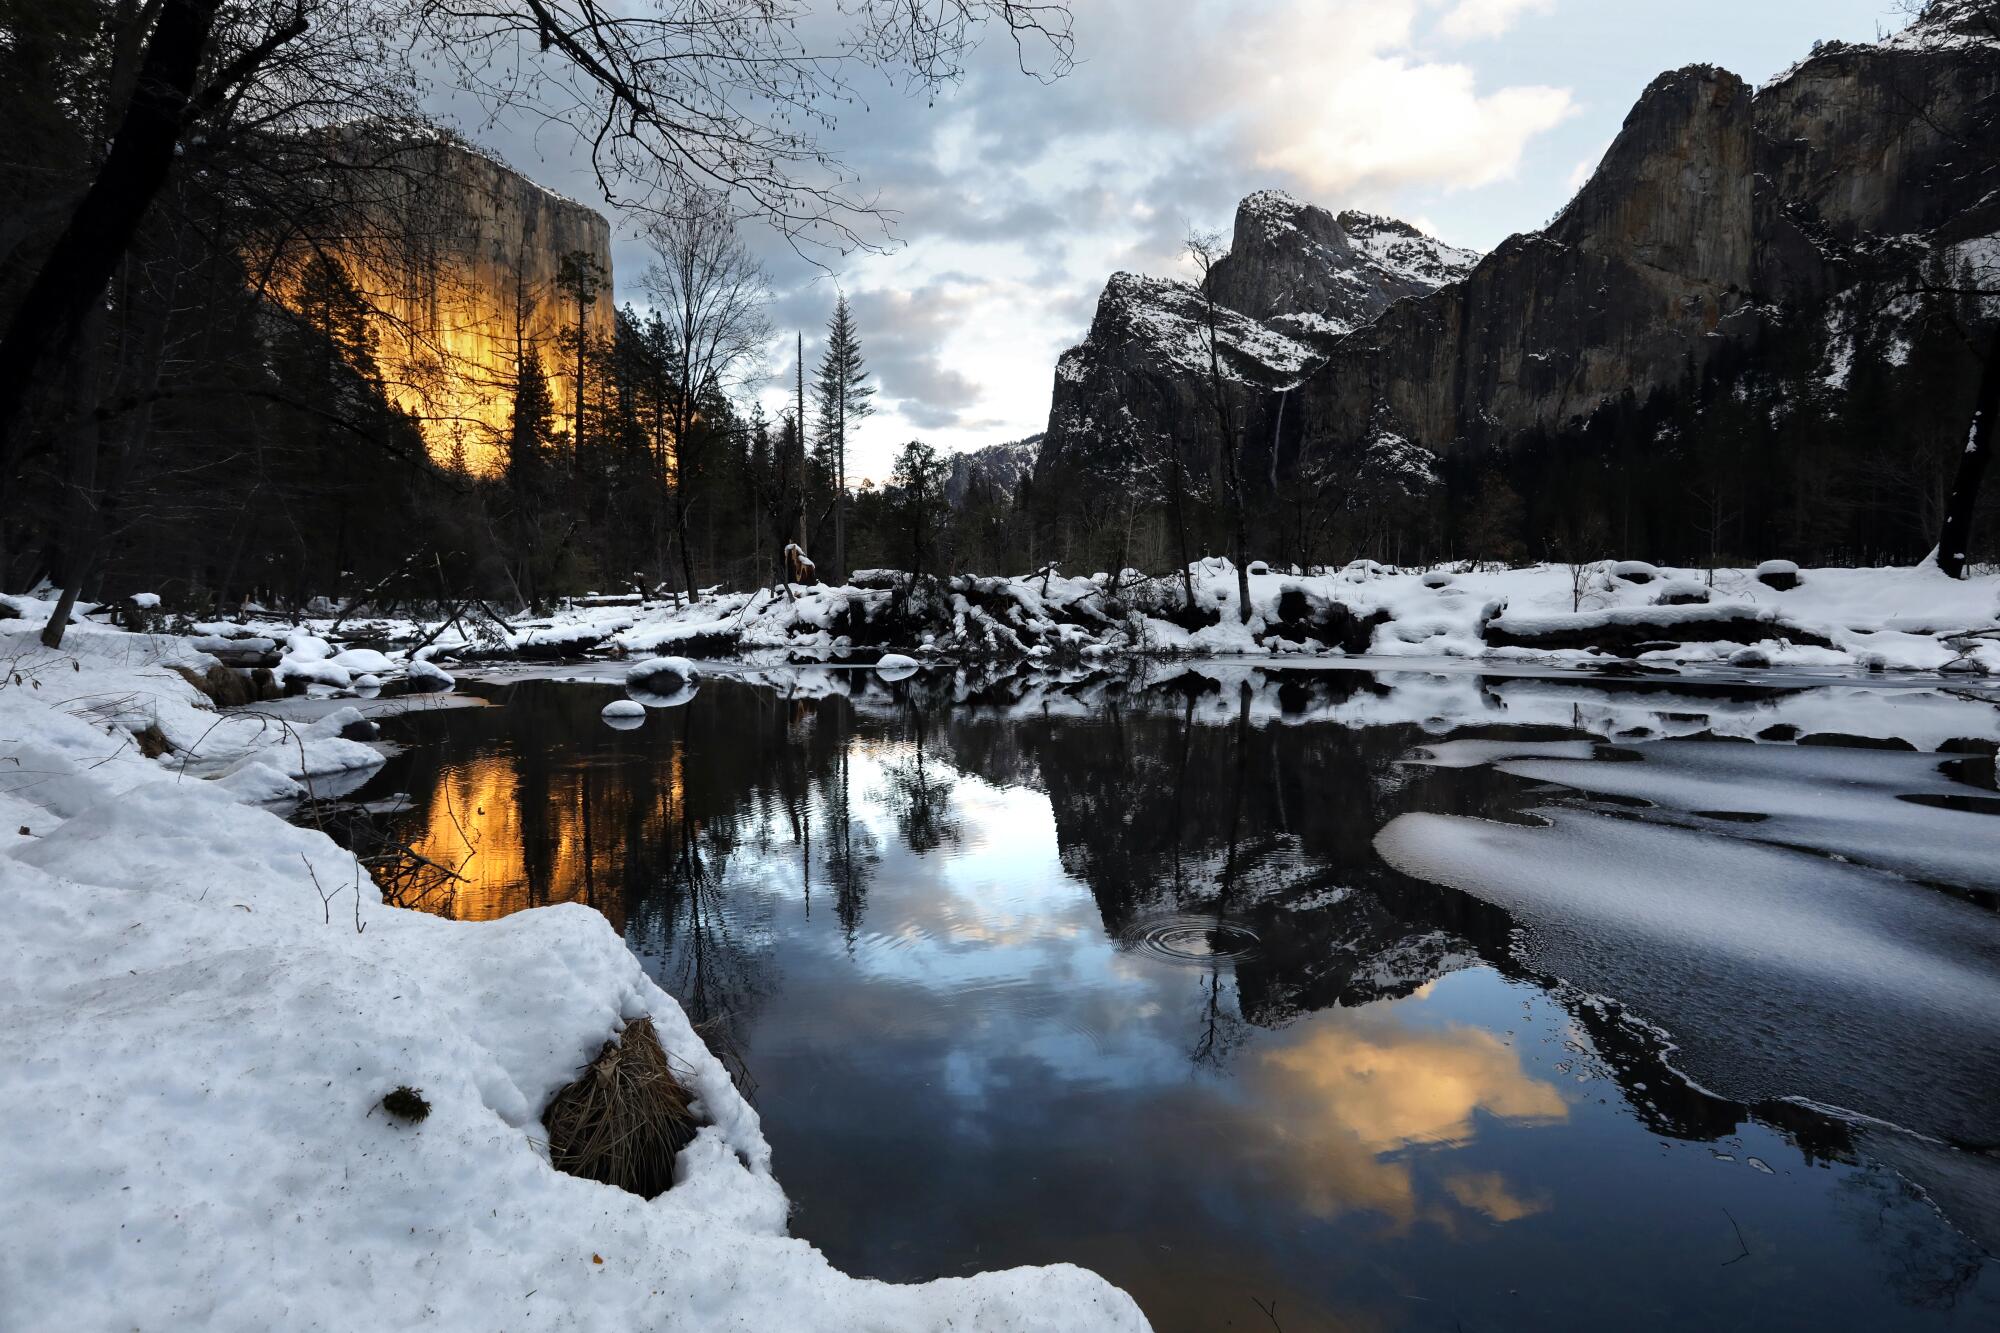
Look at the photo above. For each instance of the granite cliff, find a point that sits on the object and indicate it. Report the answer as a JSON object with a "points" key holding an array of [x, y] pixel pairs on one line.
{"points": [[458, 255], [1733, 242]]}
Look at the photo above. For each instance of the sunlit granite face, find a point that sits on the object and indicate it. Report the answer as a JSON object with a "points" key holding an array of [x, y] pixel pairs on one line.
{"points": [[459, 257], [1116, 972]]}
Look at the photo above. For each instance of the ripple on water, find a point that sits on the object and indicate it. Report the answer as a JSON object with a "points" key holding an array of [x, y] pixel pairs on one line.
{"points": [[1193, 938]]}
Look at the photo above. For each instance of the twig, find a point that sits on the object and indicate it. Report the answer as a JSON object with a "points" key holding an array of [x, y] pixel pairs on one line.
{"points": [[1741, 1243]]}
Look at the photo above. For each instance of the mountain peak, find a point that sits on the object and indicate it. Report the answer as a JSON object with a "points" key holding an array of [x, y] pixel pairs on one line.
{"points": [[1295, 260]]}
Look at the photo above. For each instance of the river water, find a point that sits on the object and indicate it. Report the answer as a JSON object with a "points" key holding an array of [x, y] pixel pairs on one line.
{"points": [[1309, 1000]]}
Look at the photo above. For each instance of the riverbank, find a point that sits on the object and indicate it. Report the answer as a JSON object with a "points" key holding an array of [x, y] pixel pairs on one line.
{"points": [[1650, 619], [204, 1005]]}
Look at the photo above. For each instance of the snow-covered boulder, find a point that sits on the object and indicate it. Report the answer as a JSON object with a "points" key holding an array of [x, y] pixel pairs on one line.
{"points": [[1437, 578], [427, 678], [624, 714], [1780, 575], [663, 682], [347, 724], [895, 666], [357, 661], [1636, 572], [1682, 592]]}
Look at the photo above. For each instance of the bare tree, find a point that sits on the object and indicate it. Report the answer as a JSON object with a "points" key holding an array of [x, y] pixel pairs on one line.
{"points": [[706, 94], [715, 299]]}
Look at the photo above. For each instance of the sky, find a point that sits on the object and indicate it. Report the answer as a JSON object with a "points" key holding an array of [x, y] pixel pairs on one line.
{"points": [[1014, 199]]}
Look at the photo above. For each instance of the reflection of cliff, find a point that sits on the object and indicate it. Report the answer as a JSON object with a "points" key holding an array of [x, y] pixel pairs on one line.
{"points": [[527, 835], [458, 256]]}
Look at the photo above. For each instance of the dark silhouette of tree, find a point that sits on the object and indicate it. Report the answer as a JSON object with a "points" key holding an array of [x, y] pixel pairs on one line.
{"points": [[842, 396], [919, 480]]}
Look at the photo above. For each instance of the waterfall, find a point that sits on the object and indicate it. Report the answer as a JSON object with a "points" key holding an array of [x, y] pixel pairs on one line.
{"points": [[1277, 432]]}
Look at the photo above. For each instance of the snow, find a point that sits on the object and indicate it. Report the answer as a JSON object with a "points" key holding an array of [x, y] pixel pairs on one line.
{"points": [[896, 666], [145, 601], [1405, 253], [1170, 319], [1893, 619], [202, 1006], [1726, 931]]}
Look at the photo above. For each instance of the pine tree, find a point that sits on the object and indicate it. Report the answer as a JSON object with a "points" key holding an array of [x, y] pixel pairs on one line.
{"points": [[529, 440], [528, 432], [842, 396], [579, 277]]}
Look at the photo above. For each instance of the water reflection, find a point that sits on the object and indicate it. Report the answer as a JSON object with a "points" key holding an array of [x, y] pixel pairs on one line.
{"points": [[1110, 971]]}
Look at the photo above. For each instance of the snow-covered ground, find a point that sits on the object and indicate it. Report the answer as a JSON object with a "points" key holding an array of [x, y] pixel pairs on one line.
{"points": [[1906, 619], [202, 1006], [1664, 620]]}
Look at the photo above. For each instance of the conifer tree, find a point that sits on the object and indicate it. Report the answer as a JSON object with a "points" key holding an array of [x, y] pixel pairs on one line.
{"points": [[842, 396]]}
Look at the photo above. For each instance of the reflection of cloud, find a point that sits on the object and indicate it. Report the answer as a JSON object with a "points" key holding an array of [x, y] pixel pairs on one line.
{"points": [[1337, 1103], [1487, 1192]]}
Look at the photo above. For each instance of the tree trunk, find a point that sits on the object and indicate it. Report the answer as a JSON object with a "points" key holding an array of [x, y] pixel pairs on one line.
{"points": [[687, 562], [1180, 530], [45, 327], [840, 487], [1955, 536]]}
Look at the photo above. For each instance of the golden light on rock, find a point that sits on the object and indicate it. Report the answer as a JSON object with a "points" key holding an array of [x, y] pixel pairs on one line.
{"points": [[458, 257]]}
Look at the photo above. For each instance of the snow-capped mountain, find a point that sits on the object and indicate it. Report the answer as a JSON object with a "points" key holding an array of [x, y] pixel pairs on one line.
{"points": [[1751, 233], [1295, 280]]}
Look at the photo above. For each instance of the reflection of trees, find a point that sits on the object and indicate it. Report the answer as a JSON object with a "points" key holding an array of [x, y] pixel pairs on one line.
{"points": [[917, 789], [1220, 1029], [848, 863], [717, 980]]}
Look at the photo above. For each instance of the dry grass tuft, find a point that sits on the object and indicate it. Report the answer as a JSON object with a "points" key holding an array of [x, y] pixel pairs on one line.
{"points": [[406, 1104], [625, 1117]]}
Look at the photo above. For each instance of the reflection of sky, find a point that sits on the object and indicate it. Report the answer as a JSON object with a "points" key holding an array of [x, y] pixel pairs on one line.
{"points": [[969, 1073], [990, 962], [983, 1076]]}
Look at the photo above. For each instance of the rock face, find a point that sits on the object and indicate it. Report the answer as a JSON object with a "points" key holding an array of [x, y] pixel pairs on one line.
{"points": [[1000, 467], [1300, 265], [1296, 279], [1723, 223], [460, 255], [1652, 257]]}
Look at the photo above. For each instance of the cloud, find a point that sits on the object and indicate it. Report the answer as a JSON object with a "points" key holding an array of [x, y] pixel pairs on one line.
{"points": [[1471, 20], [1015, 200], [1346, 111]]}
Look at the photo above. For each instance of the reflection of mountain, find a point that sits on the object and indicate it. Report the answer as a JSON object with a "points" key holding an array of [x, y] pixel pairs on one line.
{"points": [[1237, 795]]}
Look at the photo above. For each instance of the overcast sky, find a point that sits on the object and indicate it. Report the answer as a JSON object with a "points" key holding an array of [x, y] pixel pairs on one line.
{"points": [[1473, 119]]}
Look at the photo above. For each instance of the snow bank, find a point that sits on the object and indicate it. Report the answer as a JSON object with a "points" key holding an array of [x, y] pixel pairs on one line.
{"points": [[1903, 619], [202, 1006]]}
